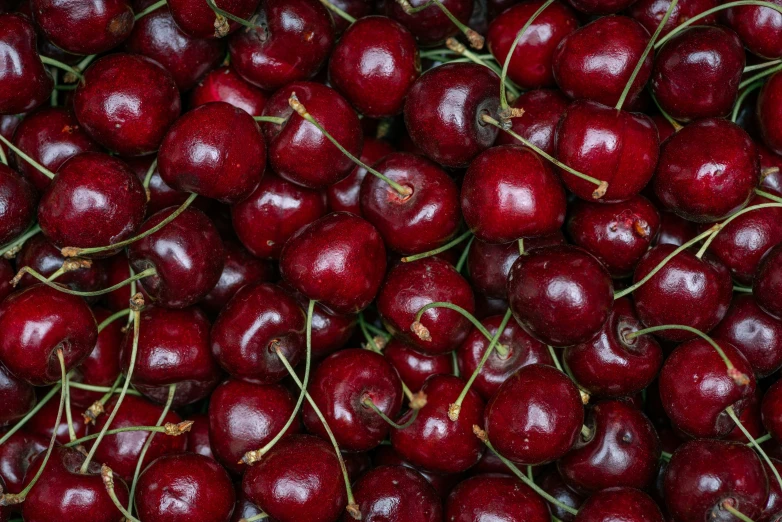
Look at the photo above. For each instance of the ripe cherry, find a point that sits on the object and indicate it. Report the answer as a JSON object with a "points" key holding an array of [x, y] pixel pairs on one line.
{"points": [[769, 100], [26, 83], [413, 366], [651, 12], [89, 28], [619, 503], [487, 497], [197, 18], [224, 84], [101, 367], [198, 436], [18, 200], [543, 108], [16, 455], [44, 422], [431, 26], [18, 398], [767, 286], [397, 493]]}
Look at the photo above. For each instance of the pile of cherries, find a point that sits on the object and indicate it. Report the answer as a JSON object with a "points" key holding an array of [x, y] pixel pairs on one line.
{"points": [[390, 260]]}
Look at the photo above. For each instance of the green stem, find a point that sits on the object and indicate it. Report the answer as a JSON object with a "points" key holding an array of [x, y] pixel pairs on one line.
{"points": [[270, 119], [342, 14], [665, 456], [99, 389], [735, 512], [463, 257], [742, 289], [768, 195], [763, 65], [19, 152], [39, 277], [368, 403], [732, 413], [87, 438], [740, 100], [553, 355], [108, 481], [113, 317], [501, 349], [64, 66], [259, 516], [19, 241], [731, 218], [374, 329], [21, 422], [675, 124], [150, 172], [761, 440], [68, 413], [759, 76], [229, 16], [447, 246], [153, 7]]}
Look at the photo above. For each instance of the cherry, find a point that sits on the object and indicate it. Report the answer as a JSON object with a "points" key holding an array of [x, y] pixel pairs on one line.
{"points": [[299, 478], [595, 62], [442, 484], [101, 367], [767, 286], [411, 286], [273, 212], [771, 179], [495, 497], [422, 441], [157, 36], [413, 366], [197, 18], [44, 422], [414, 223], [26, 83], [50, 136], [769, 100], [244, 417], [774, 501], [343, 196], [8, 125], [292, 44], [215, 150], [696, 387], [543, 109], [224, 84], [159, 194], [675, 230], [619, 503], [198, 437], [16, 454], [126, 103], [87, 28], [618, 147], [770, 409], [685, 81], [561, 295], [18, 398], [298, 151], [18, 200], [444, 108], [6, 274], [759, 28], [703, 476], [117, 271], [751, 420], [650, 13], [187, 255], [552, 484], [431, 26], [536, 415], [338, 260], [396, 493], [182, 487]]}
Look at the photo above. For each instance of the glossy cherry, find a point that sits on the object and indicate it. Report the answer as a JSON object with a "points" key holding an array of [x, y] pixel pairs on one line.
{"points": [[43, 422], [769, 100], [18, 200], [767, 286], [413, 366], [396, 493], [101, 367], [552, 484], [18, 398], [619, 503], [431, 26], [343, 196], [650, 13], [26, 83], [760, 29], [240, 268], [198, 437], [675, 230], [543, 109], [16, 454], [224, 84], [85, 28], [495, 497], [198, 19], [443, 484]]}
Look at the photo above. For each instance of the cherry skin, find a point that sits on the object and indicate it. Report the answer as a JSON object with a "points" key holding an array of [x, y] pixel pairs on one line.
{"points": [[510, 192], [618, 147], [543, 109], [198, 436], [771, 180], [126, 103], [759, 28], [431, 26], [159, 193], [181, 487], [298, 151], [769, 100], [561, 295], [343, 196], [552, 484], [619, 503], [774, 501], [16, 454], [411, 286], [674, 230], [224, 84], [292, 45], [413, 366], [650, 13], [495, 497], [198, 20], [51, 136], [442, 484], [258, 320], [157, 36], [299, 478], [85, 28], [185, 273], [64, 493], [733, 472], [695, 388], [422, 442], [117, 271], [43, 422], [273, 212], [685, 81], [6, 274], [215, 150], [596, 61], [8, 125], [244, 417], [101, 367], [421, 221], [18, 200], [338, 260], [396, 493], [18, 398], [444, 108], [771, 411], [617, 234], [26, 83], [767, 286]]}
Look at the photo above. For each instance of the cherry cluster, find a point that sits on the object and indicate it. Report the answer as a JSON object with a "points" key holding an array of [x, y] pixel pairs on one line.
{"points": [[390, 260]]}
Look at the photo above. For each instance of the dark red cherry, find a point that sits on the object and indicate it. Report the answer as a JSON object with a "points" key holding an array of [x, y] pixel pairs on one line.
{"points": [[772, 179], [101, 367], [26, 83], [292, 43], [617, 234], [6, 274], [16, 454], [343, 196], [431, 26], [610, 365], [127, 103], [411, 286], [561, 295], [273, 212], [536, 415], [18, 398], [122, 450], [300, 478], [86, 27], [240, 269], [244, 417], [618, 147], [197, 18], [224, 84], [8, 125], [520, 350], [259, 319], [414, 223], [651, 12], [118, 270], [157, 36], [495, 497], [509, 192], [769, 102], [444, 108], [215, 150], [355, 8], [685, 81], [50, 136], [686, 291], [298, 151], [767, 286], [43, 422], [704, 474], [619, 503], [751, 419], [198, 436], [442, 484], [596, 61], [160, 194], [771, 411], [413, 366], [187, 254], [422, 442], [675, 230], [543, 109], [64, 493], [338, 260], [18, 200], [774, 501], [552, 484], [177, 488], [695, 388], [59, 320], [760, 29], [396, 493]]}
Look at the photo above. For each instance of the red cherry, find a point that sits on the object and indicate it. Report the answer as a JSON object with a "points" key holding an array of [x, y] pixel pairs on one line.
{"points": [[543, 109], [196, 17], [16, 455], [552, 484], [26, 83], [675, 230], [651, 12], [18, 200], [442, 484], [396, 493], [44, 422], [224, 84], [415, 367], [767, 286], [619, 503], [198, 436], [91, 27], [18, 398], [769, 101], [101, 367], [487, 497], [343, 196], [760, 29], [431, 26]]}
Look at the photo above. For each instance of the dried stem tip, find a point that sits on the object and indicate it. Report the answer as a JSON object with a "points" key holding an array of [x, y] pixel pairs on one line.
{"points": [[354, 511], [175, 429], [455, 45], [222, 27], [297, 106], [70, 251], [73, 264], [137, 302], [476, 40], [421, 331], [738, 377], [453, 412], [600, 191], [481, 434], [93, 412], [251, 457], [418, 401]]}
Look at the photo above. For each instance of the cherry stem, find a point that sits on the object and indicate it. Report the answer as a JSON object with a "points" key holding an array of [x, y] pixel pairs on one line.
{"points": [[108, 481], [99, 389], [342, 14], [675, 124], [259, 516], [447, 246], [53, 99], [148, 177], [270, 119], [732, 414], [761, 440], [742, 289], [763, 65], [352, 507], [136, 304], [463, 257], [11, 249], [735, 512], [3, 158], [586, 432], [64, 66], [221, 26], [506, 64], [553, 355], [760, 76], [456, 47], [374, 329], [768, 195], [521, 246], [679, 250], [301, 110], [476, 40], [455, 364], [372, 345], [113, 317], [740, 100], [423, 334], [368, 403], [9, 499], [171, 429], [74, 251], [19, 152], [731, 218], [68, 414], [665, 456], [485, 439], [153, 7], [39, 277], [96, 408], [641, 60], [602, 185], [21, 422]]}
